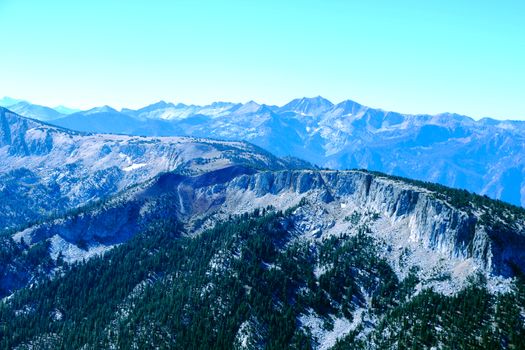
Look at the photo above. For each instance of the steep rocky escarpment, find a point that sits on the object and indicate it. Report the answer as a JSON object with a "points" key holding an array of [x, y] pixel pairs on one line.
{"points": [[337, 269], [321, 258], [430, 221], [403, 215]]}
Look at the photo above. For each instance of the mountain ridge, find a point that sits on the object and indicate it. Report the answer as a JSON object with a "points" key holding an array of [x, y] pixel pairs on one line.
{"points": [[434, 220], [199, 243], [482, 156], [348, 251], [69, 168]]}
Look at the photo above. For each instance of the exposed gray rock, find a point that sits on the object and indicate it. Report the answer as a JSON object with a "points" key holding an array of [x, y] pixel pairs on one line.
{"points": [[484, 156], [399, 214], [69, 168]]}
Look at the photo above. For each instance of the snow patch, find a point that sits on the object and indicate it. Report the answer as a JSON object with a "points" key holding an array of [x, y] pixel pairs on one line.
{"points": [[134, 167]]}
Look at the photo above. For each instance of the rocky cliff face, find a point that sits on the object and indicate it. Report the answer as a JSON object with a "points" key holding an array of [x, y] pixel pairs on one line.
{"points": [[342, 247], [414, 225], [426, 220]]}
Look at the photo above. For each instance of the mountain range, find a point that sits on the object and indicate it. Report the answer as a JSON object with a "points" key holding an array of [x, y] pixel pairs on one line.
{"points": [[239, 251], [121, 241], [34, 111], [484, 156], [46, 170]]}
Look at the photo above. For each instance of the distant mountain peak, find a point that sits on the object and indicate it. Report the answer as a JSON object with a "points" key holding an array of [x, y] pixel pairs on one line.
{"points": [[154, 107], [308, 105], [348, 107], [453, 117], [249, 107], [9, 101], [33, 111], [162, 104], [65, 110], [318, 99], [252, 103], [21, 103], [220, 104], [102, 109]]}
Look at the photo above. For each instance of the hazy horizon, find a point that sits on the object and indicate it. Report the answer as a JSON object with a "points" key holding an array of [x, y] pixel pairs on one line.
{"points": [[409, 57], [120, 109]]}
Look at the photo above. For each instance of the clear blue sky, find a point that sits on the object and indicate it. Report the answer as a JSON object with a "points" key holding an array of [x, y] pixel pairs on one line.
{"points": [[409, 56]]}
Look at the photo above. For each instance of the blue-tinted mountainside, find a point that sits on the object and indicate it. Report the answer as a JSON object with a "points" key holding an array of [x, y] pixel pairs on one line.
{"points": [[45, 170], [122, 242], [485, 156], [240, 258]]}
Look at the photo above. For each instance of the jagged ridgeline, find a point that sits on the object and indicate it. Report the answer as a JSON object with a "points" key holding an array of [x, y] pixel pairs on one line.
{"points": [[47, 170], [248, 259], [484, 156]]}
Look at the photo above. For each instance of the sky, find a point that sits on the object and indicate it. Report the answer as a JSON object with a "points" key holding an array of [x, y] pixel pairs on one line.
{"points": [[459, 56]]}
